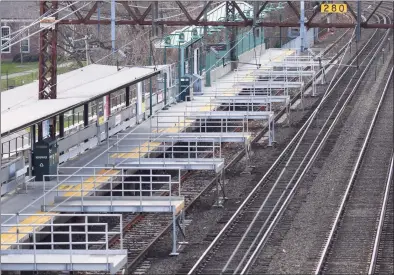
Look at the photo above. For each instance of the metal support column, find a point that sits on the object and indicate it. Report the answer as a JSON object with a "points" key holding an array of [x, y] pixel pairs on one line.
{"points": [[358, 28], [113, 26], [107, 98], [256, 8], [127, 98], [155, 16], [1, 145], [32, 142], [302, 24], [47, 79], [39, 131], [165, 91], [174, 239], [150, 97], [86, 114], [61, 125], [230, 17], [206, 53]]}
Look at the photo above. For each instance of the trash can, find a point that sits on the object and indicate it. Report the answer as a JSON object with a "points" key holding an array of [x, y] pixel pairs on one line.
{"points": [[46, 158], [185, 89]]}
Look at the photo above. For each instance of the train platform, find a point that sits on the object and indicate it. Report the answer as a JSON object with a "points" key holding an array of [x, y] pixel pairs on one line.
{"points": [[97, 156], [90, 166]]}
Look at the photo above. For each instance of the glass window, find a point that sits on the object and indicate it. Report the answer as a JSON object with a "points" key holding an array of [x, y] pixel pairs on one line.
{"points": [[25, 45], [5, 39]]}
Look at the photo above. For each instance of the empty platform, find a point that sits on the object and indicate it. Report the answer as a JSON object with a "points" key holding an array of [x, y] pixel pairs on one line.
{"points": [[63, 260], [96, 204]]}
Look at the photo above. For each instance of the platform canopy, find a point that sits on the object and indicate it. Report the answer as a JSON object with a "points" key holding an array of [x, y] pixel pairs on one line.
{"points": [[21, 108], [189, 34]]}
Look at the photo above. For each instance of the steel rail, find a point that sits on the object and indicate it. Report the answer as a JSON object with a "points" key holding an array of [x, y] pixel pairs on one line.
{"points": [[357, 165], [276, 182], [242, 152], [289, 197], [268, 172], [284, 152], [375, 251], [276, 219]]}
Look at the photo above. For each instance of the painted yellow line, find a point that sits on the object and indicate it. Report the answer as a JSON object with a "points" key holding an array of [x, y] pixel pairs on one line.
{"points": [[11, 236], [91, 183]]}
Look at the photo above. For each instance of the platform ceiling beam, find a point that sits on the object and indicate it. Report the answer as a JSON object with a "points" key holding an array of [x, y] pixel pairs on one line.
{"points": [[227, 24]]}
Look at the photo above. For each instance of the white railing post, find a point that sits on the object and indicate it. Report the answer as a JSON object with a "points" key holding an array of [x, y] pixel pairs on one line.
{"points": [[86, 233], [52, 236], [121, 232], [17, 229], [34, 248], [122, 184], [106, 245], [70, 246]]}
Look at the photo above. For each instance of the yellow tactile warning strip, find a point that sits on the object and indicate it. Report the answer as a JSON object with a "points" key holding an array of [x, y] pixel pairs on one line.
{"points": [[11, 236]]}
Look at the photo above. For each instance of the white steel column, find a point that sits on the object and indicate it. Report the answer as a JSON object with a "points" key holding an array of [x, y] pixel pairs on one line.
{"points": [[140, 104], [302, 24]]}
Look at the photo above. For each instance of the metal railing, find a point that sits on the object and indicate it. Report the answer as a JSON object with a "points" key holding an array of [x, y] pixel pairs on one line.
{"points": [[29, 237], [121, 184], [34, 229]]}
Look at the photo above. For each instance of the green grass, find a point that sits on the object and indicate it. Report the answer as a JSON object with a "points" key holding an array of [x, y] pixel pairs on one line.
{"points": [[17, 67], [26, 79]]}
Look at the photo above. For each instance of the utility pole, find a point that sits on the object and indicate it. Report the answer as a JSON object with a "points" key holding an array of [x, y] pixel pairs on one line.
{"points": [[113, 15], [206, 53], [86, 49], [358, 30], [1, 147], [302, 24]]}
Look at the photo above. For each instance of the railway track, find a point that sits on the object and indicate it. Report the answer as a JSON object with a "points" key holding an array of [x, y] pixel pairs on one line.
{"points": [[137, 238], [348, 247], [382, 255], [236, 246], [200, 183]]}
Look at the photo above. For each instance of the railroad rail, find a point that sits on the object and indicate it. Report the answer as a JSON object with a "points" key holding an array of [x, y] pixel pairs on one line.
{"points": [[252, 223], [382, 255], [348, 245], [139, 222], [192, 192]]}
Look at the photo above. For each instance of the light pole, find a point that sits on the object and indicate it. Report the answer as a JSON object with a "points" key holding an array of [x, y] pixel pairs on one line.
{"points": [[1, 146]]}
